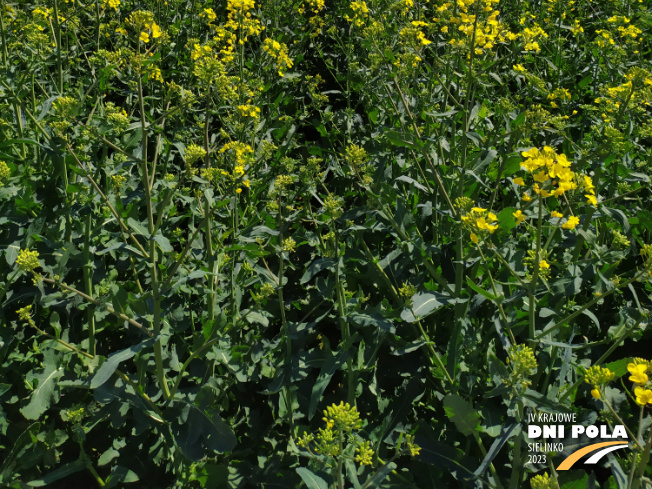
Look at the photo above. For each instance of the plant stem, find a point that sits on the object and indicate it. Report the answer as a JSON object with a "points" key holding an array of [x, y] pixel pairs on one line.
{"points": [[642, 465], [57, 40], [535, 276], [156, 298], [98, 303], [286, 328], [88, 267]]}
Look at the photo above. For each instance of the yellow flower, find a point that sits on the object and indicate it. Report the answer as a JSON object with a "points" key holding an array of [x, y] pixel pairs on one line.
{"points": [[541, 176], [571, 223], [556, 214], [591, 199], [643, 396], [144, 36], [544, 265], [474, 238], [156, 31], [520, 217], [638, 373], [519, 68], [595, 393], [518, 181], [526, 198]]}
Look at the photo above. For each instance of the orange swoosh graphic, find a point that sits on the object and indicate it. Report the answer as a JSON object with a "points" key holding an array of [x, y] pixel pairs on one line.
{"points": [[575, 456]]}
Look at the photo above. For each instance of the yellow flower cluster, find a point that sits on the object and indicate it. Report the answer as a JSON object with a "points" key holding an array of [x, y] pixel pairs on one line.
{"points": [[484, 32], [480, 222], [543, 481], [27, 260], [552, 175], [114, 4], [248, 110], [598, 377], [5, 172], [531, 37], [639, 369], [342, 417], [209, 14], [313, 9], [523, 364], [25, 314], [561, 94], [360, 13], [116, 117], [239, 19], [193, 152], [65, 106], [413, 36], [43, 15], [627, 31], [143, 21], [241, 153], [278, 51], [364, 453]]}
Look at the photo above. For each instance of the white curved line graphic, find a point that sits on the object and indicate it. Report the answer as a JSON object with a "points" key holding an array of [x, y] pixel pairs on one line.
{"points": [[601, 453]]}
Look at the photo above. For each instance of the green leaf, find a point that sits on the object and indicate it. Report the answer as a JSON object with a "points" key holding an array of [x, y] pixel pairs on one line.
{"points": [[60, 473], [577, 480], [111, 364], [138, 227], [311, 480], [200, 434], [120, 474], [424, 304], [45, 391], [506, 219], [56, 324], [482, 292], [619, 367], [379, 476], [107, 456], [461, 412], [329, 366], [506, 433], [398, 139], [520, 119], [11, 253], [163, 242], [316, 267]]}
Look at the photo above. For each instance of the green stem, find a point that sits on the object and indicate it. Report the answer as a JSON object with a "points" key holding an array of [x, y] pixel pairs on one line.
{"points": [[601, 360], [5, 53], [89, 464], [57, 40], [88, 266], [344, 323], [500, 306], [340, 457], [573, 315], [535, 276], [286, 328], [434, 352], [642, 465], [98, 303], [190, 358], [156, 298]]}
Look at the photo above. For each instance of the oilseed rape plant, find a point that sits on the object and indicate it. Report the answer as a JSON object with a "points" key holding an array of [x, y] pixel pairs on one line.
{"points": [[345, 244]]}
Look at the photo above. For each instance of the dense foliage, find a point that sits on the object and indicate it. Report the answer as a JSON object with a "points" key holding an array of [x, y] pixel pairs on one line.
{"points": [[317, 244]]}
